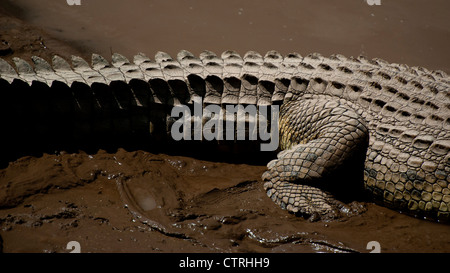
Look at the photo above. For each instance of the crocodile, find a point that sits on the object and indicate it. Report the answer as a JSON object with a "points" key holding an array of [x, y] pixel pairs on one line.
{"points": [[346, 125]]}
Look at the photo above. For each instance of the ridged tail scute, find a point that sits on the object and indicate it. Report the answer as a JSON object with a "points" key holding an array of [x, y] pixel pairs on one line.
{"points": [[230, 79], [71, 103], [143, 91], [49, 105]]}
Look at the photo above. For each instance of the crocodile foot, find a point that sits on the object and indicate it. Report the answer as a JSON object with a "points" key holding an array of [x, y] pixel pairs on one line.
{"points": [[308, 201], [320, 139]]}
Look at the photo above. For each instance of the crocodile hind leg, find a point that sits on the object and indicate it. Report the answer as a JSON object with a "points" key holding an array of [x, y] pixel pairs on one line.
{"points": [[321, 137]]}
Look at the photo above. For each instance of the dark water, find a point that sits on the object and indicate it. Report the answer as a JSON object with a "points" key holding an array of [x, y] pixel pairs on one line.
{"points": [[413, 32]]}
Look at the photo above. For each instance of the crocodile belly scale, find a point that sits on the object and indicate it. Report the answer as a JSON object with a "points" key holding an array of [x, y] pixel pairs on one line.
{"points": [[346, 125]]}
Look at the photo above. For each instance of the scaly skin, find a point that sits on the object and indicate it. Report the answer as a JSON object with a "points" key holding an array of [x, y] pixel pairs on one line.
{"points": [[342, 120]]}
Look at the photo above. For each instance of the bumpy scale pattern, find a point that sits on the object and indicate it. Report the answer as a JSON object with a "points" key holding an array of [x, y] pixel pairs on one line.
{"points": [[317, 135], [333, 109]]}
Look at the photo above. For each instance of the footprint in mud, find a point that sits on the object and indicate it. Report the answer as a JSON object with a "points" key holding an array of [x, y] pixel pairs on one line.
{"points": [[188, 198], [223, 220], [219, 212], [146, 203]]}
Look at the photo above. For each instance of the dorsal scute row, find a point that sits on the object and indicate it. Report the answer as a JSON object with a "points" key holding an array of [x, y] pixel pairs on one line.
{"points": [[251, 79]]}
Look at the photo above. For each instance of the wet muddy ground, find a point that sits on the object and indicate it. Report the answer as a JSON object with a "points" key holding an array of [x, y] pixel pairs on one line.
{"points": [[142, 201]]}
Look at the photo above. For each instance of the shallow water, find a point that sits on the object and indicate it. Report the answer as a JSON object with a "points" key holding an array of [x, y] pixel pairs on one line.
{"points": [[412, 32]]}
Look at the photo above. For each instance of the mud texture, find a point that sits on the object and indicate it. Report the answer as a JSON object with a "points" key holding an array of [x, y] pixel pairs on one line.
{"points": [[142, 201]]}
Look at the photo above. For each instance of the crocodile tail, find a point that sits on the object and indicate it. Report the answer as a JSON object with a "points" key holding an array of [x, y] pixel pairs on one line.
{"points": [[103, 102]]}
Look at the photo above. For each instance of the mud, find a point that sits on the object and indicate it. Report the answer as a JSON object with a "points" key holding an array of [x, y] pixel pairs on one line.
{"points": [[142, 201]]}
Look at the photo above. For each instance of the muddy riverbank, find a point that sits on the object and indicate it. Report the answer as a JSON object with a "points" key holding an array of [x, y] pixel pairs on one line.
{"points": [[143, 201]]}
